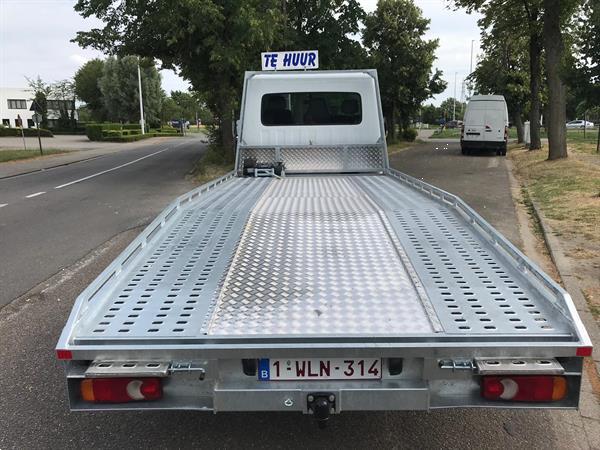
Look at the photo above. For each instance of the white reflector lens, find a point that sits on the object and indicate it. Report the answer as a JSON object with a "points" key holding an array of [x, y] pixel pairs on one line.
{"points": [[510, 389]]}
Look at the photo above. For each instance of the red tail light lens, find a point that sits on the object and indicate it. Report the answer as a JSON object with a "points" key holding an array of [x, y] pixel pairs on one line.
{"points": [[64, 354], [526, 388], [120, 390]]}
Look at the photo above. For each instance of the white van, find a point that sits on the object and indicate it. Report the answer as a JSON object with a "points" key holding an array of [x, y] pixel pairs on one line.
{"points": [[485, 125]]}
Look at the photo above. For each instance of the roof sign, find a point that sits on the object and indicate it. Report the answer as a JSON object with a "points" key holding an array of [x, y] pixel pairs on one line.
{"points": [[299, 60]]}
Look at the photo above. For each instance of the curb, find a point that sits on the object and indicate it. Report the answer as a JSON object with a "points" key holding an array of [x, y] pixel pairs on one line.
{"points": [[50, 167], [570, 282]]}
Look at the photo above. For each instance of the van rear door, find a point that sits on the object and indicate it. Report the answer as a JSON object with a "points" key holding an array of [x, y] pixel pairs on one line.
{"points": [[475, 122], [494, 119]]}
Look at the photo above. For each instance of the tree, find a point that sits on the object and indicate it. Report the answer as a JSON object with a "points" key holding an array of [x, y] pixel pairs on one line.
{"points": [[448, 106], [119, 88], [326, 25], [63, 94], [87, 87], [210, 42], [394, 37], [41, 92], [556, 13], [503, 69], [523, 18], [584, 76], [431, 114]]}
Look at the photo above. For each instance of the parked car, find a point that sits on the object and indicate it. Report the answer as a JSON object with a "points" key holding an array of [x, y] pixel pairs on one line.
{"points": [[454, 124], [579, 124], [175, 123], [486, 125]]}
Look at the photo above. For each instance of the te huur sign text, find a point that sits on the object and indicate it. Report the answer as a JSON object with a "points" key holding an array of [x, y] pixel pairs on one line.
{"points": [[300, 60]]}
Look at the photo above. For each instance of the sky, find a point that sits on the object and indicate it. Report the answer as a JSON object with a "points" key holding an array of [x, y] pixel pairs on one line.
{"points": [[35, 40]]}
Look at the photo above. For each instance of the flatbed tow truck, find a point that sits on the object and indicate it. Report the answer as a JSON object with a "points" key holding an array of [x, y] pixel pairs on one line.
{"points": [[314, 278]]}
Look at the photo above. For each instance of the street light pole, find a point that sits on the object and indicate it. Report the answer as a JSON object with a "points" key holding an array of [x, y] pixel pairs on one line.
{"points": [[454, 107], [141, 100]]}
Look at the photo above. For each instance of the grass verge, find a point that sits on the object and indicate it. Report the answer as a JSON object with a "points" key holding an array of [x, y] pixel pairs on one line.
{"points": [[567, 190], [213, 164], [14, 155]]}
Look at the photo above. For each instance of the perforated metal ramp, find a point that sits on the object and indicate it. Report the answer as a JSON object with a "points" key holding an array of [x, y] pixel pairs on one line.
{"points": [[352, 255], [472, 284], [169, 289]]}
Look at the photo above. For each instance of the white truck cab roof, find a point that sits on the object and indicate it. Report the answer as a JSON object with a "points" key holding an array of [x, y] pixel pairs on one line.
{"points": [[311, 108]]}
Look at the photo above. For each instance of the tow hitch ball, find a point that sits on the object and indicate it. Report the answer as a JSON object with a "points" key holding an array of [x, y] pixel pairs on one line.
{"points": [[321, 406]]}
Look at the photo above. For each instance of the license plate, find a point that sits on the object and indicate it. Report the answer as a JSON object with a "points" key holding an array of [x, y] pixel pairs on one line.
{"points": [[319, 369]]}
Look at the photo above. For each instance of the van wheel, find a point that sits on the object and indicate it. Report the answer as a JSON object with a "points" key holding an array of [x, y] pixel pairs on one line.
{"points": [[498, 152], [464, 151]]}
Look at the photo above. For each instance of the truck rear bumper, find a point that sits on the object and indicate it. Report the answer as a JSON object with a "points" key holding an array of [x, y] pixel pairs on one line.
{"points": [[482, 145], [422, 384], [371, 396]]}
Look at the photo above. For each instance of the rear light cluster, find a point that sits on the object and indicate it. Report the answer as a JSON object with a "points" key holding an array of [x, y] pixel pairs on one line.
{"points": [[524, 388], [462, 132], [120, 390], [506, 134]]}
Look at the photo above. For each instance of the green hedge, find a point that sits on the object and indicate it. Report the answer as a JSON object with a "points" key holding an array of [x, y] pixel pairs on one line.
{"points": [[95, 131], [120, 137], [409, 134], [29, 132], [131, 126]]}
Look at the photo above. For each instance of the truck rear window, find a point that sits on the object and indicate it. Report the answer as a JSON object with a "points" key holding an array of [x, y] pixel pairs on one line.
{"points": [[311, 108]]}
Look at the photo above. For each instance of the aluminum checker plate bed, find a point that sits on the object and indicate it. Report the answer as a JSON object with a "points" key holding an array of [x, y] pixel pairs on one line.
{"points": [[320, 257]]}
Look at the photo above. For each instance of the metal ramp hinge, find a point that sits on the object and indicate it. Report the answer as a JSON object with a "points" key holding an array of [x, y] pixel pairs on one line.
{"points": [[188, 367], [457, 364]]}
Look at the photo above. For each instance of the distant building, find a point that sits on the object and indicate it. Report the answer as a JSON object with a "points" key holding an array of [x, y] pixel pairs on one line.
{"points": [[16, 102]]}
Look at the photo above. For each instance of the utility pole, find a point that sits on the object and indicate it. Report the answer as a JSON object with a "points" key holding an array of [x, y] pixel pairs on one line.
{"points": [[471, 64], [141, 100], [454, 107]]}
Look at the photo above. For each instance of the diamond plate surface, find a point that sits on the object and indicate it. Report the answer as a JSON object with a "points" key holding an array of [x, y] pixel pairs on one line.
{"points": [[473, 288], [317, 259], [350, 158]]}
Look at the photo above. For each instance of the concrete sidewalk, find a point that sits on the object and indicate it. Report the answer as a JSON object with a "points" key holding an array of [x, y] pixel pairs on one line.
{"points": [[79, 148]]}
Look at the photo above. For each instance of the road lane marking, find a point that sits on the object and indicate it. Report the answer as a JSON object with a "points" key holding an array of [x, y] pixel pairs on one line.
{"points": [[35, 195], [2, 205], [110, 170]]}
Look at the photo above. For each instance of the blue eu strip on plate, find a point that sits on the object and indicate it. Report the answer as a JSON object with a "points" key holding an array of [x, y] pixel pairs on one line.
{"points": [[263, 370]]}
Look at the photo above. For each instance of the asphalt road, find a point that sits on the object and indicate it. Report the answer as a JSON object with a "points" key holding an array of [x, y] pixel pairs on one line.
{"points": [[33, 406], [50, 219]]}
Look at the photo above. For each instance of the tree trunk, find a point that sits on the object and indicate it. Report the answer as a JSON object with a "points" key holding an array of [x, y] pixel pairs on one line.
{"points": [[535, 76], [392, 124], [518, 120], [557, 104], [227, 137]]}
